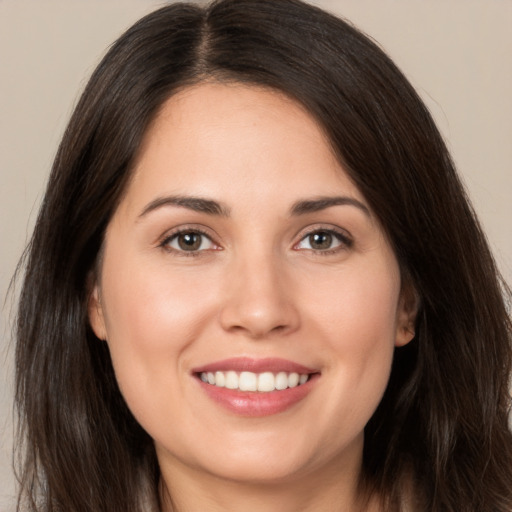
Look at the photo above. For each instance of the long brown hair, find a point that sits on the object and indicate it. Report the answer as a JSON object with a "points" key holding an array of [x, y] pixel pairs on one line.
{"points": [[442, 425]]}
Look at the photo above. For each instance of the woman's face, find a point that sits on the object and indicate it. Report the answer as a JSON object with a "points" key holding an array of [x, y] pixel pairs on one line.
{"points": [[242, 255]]}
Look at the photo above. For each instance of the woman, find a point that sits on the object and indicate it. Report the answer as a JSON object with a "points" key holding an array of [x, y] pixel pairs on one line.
{"points": [[256, 283]]}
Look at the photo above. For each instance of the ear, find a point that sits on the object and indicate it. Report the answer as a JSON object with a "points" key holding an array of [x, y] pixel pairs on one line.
{"points": [[95, 313], [407, 312]]}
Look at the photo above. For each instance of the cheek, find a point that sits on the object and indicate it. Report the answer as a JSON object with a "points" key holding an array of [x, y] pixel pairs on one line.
{"points": [[151, 318], [356, 316], [357, 307], [149, 306]]}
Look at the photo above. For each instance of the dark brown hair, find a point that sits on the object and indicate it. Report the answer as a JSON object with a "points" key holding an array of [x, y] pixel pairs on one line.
{"points": [[442, 426]]}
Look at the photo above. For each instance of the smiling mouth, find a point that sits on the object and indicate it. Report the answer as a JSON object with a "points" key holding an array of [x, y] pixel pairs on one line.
{"points": [[264, 382], [254, 387]]}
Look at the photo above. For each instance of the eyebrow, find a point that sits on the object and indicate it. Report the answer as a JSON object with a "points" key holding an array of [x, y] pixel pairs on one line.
{"points": [[211, 207], [197, 204], [321, 203]]}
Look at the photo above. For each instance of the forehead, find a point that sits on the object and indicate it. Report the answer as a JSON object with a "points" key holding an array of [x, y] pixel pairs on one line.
{"points": [[219, 138], [208, 111]]}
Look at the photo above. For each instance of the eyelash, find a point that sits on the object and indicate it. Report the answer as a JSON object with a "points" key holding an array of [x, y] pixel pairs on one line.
{"points": [[345, 241], [342, 237], [164, 244]]}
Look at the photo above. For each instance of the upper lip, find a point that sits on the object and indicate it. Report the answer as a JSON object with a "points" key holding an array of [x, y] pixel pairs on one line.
{"points": [[247, 364]]}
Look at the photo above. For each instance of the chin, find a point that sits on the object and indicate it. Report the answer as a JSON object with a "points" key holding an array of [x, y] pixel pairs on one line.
{"points": [[260, 472]]}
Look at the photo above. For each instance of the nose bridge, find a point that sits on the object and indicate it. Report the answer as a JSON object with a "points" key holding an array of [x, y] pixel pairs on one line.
{"points": [[258, 299]]}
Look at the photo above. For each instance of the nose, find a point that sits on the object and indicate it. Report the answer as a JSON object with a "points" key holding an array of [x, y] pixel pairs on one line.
{"points": [[259, 300]]}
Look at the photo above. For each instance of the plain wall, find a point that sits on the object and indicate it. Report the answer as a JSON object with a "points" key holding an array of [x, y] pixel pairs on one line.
{"points": [[457, 53]]}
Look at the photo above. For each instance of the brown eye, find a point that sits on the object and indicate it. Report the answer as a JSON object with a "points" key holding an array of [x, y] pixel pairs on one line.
{"points": [[320, 240], [189, 241], [324, 240]]}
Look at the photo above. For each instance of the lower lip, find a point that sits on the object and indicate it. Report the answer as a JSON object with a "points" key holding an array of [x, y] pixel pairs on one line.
{"points": [[255, 404]]}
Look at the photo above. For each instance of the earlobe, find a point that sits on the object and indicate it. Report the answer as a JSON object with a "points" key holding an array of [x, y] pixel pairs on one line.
{"points": [[406, 318], [95, 314], [404, 335]]}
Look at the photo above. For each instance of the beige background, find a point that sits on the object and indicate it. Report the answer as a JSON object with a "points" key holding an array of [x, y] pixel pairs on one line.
{"points": [[456, 52]]}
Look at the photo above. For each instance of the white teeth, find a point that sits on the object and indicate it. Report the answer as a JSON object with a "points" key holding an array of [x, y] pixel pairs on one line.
{"points": [[266, 382], [281, 381], [231, 381], [293, 380], [220, 379], [249, 381]]}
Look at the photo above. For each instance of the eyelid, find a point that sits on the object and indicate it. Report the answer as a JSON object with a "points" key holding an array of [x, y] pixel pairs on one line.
{"points": [[344, 237], [165, 239]]}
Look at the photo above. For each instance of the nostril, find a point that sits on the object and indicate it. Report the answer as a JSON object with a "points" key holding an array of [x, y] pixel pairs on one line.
{"points": [[258, 306]]}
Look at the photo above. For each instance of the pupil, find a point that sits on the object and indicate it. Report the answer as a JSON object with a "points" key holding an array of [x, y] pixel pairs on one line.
{"points": [[189, 241], [321, 240]]}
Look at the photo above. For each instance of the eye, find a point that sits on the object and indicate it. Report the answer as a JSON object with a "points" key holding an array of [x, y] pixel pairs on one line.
{"points": [[324, 240], [189, 241]]}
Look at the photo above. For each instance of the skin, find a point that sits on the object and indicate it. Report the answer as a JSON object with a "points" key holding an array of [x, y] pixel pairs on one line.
{"points": [[256, 287]]}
